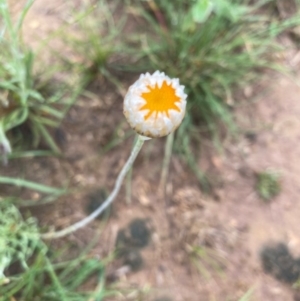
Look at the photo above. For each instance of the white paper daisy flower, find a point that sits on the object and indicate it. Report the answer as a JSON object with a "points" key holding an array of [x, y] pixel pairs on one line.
{"points": [[155, 105]]}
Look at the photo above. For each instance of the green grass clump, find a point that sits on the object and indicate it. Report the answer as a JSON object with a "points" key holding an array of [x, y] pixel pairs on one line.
{"points": [[30, 271], [27, 104], [213, 47], [268, 185], [97, 42]]}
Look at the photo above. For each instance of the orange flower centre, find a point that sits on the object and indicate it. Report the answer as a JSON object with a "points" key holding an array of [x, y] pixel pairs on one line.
{"points": [[160, 100]]}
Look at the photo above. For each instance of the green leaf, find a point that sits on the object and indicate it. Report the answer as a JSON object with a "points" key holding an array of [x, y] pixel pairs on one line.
{"points": [[201, 10], [15, 118], [8, 85], [36, 95], [51, 111], [32, 185], [230, 11]]}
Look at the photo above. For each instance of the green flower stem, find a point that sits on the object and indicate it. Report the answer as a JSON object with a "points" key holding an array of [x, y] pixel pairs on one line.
{"points": [[166, 162], [136, 149]]}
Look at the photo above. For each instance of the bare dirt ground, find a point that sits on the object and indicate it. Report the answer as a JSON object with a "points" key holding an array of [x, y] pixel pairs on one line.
{"points": [[230, 228]]}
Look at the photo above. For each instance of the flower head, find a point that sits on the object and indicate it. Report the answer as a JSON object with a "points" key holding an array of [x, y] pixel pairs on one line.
{"points": [[155, 105]]}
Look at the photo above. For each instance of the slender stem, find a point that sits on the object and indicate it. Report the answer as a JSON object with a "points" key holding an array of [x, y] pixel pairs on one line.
{"points": [[128, 187], [136, 149], [166, 162]]}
